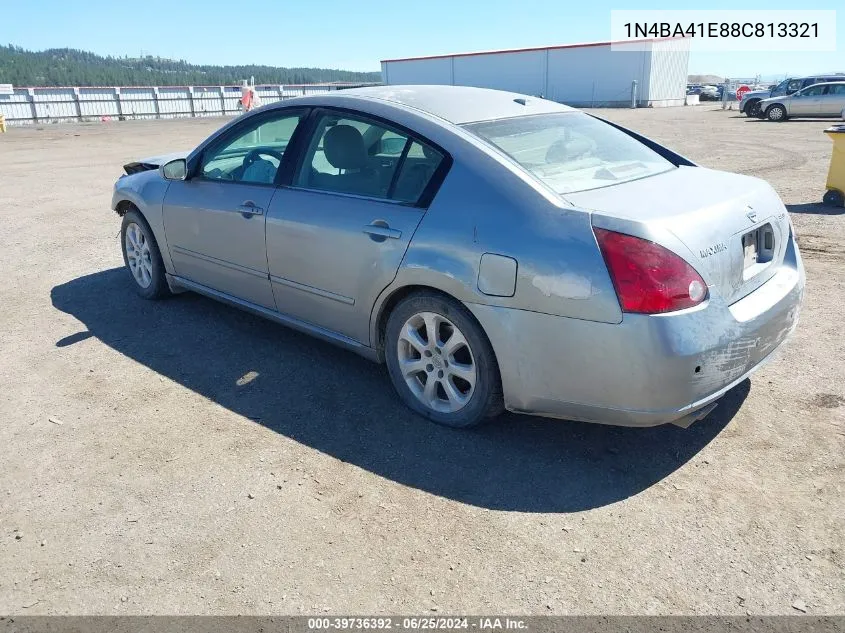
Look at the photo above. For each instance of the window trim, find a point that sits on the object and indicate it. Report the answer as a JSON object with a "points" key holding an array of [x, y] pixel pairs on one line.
{"points": [[426, 197], [391, 189], [673, 157], [290, 154], [356, 196]]}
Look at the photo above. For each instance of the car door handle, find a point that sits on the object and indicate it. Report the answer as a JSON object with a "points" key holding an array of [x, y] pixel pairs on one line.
{"points": [[383, 232], [248, 209]]}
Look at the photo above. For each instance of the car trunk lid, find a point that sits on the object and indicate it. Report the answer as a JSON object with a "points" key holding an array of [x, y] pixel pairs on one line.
{"points": [[735, 227]]}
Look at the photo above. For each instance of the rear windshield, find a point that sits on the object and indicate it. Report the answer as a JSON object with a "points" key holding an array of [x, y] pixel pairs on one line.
{"points": [[571, 151]]}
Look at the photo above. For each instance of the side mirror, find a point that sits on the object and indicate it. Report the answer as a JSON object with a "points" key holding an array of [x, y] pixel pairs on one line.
{"points": [[175, 170]]}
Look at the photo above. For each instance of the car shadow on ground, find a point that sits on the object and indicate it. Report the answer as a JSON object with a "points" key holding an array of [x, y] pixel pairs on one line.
{"points": [[792, 119], [343, 405], [814, 208]]}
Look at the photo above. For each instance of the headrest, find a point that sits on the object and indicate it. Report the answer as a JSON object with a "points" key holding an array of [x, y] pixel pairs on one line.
{"points": [[430, 153], [344, 147], [562, 151]]}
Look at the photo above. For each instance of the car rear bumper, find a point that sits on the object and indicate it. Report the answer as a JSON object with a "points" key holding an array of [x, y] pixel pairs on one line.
{"points": [[648, 369]]}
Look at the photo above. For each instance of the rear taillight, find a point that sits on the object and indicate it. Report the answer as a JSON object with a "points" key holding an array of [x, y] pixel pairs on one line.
{"points": [[648, 278]]}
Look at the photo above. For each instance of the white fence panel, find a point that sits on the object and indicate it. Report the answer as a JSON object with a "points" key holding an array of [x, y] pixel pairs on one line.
{"points": [[231, 99], [16, 107], [45, 105], [97, 103], [175, 102], [207, 101], [138, 103]]}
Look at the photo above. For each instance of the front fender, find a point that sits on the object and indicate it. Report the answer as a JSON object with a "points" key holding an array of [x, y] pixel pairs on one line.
{"points": [[146, 191], [765, 105]]}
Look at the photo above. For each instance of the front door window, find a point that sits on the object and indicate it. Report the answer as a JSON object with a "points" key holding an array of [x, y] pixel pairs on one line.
{"points": [[254, 155]]}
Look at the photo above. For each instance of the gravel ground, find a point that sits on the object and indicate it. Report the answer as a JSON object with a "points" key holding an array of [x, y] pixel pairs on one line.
{"points": [[142, 473]]}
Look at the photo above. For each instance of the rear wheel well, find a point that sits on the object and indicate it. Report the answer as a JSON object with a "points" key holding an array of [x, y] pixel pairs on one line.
{"points": [[387, 307], [393, 300]]}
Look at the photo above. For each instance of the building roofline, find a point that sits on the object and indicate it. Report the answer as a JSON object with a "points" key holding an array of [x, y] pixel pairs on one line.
{"points": [[530, 49]]}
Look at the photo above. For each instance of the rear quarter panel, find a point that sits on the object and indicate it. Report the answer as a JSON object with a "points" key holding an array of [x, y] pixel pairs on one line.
{"points": [[486, 205]]}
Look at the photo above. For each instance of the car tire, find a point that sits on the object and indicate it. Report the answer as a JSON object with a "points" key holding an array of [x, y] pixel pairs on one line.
{"points": [[752, 107], [142, 257], [776, 113], [833, 198], [467, 387]]}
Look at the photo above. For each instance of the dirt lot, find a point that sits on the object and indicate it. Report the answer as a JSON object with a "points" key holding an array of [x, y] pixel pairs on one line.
{"points": [[169, 487]]}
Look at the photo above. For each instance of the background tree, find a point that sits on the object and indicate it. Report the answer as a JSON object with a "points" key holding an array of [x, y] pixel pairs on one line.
{"points": [[71, 67]]}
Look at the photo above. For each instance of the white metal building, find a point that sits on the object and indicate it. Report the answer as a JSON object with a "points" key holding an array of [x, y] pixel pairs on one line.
{"points": [[599, 74]]}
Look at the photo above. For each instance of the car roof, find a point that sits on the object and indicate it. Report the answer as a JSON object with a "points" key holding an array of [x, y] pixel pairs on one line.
{"points": [[821, 83], [815, 85], [456, 104], [830, 77]]}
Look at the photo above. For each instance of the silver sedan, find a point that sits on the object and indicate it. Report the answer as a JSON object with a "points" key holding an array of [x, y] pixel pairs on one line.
{"points": [[495, 250], [819, 100]]}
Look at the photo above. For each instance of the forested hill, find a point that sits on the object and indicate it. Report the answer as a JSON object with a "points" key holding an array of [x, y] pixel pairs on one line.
{"points": [[70, 67]]}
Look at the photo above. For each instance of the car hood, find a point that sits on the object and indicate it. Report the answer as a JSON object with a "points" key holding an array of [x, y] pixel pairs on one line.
{"points": [[763, 94], [773, 99], [153, 162]]}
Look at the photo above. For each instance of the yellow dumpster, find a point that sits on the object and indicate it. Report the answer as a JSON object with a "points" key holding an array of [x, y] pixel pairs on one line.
{"points": [[835, 195]]}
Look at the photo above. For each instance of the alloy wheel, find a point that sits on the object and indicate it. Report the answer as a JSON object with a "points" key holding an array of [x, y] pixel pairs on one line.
{"points": [[436, 362], [138, 255], [776, 113]]}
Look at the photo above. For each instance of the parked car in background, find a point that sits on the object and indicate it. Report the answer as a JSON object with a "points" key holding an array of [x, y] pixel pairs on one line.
{"points": [[720, 93], [495, 250], [709, 93], [819, 100], [750, 102]]}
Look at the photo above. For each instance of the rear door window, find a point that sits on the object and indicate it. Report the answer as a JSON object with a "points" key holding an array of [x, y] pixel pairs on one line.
{"points": [[359, 156], [345, 156], [420, 164], [815, 91]]}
